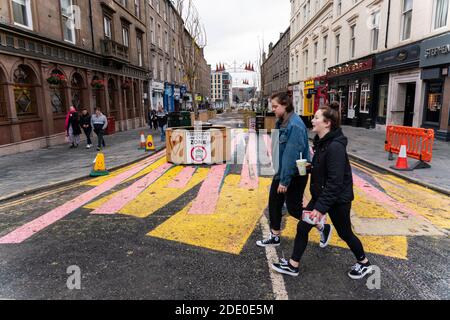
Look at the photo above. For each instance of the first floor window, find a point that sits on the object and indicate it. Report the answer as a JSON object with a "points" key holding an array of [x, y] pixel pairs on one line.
{"points": [[22, 13], [139, 51], [68, 21], [126, 36], [107, 24], [440, 13]]}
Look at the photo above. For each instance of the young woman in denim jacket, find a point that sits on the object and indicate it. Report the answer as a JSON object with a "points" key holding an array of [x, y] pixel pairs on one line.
{"points": [[288, 186]]}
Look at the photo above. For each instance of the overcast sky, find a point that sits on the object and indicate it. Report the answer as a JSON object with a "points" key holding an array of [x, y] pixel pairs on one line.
{"points": [[236, 27]]}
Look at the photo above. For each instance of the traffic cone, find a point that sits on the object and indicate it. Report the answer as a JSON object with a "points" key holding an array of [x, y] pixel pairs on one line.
{"points": [[402, 162], [99, 169], [150, 146], [143, 143]]}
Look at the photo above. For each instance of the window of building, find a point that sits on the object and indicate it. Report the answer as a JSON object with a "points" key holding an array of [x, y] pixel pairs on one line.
{"points": [[352, 41], [124, 3], [137, 8], [166, 41], [440, 15], [365, 98], [306, 62], [24, 92], [107, 25], [152, 30], [375, 32], [383, 101], [159, 36], [68, 21], [125, 36], [339, 7], [435, 93], [325, 45], [324, 68], [338, 47], [22, 13], [407, 10], [158, 6], [139, 50]]}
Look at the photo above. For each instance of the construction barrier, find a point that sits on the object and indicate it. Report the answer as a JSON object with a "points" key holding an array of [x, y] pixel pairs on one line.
{"points": [[418, 141]]}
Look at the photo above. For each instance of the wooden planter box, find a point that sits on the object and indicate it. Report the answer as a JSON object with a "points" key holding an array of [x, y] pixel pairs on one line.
{"points": [[177, 146]]}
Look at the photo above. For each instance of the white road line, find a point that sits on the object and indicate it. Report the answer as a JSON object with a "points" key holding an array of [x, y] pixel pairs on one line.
{"points": [[279, 288]]}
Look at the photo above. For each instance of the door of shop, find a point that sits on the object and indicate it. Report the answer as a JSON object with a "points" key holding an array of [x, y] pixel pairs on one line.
{"points": [[409, 104]]}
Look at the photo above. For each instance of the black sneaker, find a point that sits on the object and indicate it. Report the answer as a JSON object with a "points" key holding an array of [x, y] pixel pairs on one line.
{"points": [[285, 267], [272, 241], [325, 235], [360, 270]]}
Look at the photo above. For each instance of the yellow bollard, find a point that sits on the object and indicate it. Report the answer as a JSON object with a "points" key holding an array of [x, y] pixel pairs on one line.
{"points": [[99, 166], [150, 146]]}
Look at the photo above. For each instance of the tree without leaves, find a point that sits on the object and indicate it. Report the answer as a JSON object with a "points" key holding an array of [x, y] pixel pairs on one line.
{"points": [[191, 41]]}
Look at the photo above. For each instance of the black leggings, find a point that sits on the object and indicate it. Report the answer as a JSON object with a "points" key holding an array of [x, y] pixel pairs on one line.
{"points": [[340, 216], [293, 199]]}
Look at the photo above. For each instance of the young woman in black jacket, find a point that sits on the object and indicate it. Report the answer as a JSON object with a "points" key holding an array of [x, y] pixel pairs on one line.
{"points": [[331, 191]]}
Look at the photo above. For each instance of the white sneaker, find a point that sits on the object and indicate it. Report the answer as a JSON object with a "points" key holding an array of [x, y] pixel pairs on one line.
{"points": [[88, 146]]}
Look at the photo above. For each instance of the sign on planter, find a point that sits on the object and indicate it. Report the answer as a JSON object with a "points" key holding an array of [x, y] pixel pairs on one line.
{"points": [[199, 147]]}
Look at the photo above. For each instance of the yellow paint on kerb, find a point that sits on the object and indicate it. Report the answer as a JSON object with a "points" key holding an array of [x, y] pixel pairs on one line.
{"points": [[237, 214], [159, 195], [390, 246]]}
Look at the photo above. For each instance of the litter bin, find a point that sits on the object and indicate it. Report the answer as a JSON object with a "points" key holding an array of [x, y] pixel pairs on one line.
{"points": [[260, 122], [185, 119], [174, 120], [111, 129]]}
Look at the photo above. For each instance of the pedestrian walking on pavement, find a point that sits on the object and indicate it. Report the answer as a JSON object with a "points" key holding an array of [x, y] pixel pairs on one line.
{"points": [[154, 120], [72, 126], [332, 192], [162, 122], [287, 185], [99, 122], [85, 122]]}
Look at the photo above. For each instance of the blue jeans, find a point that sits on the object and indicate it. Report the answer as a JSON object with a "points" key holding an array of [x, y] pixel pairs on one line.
{"points": [[163, 133]]}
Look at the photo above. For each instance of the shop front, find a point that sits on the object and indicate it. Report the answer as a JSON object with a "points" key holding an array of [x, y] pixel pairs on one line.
{"points": [[397, 87], [169, 102], [308, 102], [157, 94], [435, 64], [351, 84], [296, 98], [177, 99], [321, 92]]}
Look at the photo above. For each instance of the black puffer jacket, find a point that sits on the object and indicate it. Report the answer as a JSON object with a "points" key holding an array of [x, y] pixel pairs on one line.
{"points": [[331, 173]]}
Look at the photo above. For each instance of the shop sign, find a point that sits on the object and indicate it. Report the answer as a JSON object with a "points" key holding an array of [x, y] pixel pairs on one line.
{"points": [[199, 98], [392, 58], [198, 147], [435, 51], [309, 84], [158, 86], [312, 91], [349, 68]]}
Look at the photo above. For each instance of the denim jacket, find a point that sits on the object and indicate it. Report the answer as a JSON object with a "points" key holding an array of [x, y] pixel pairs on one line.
{"points": [[292, 140]]}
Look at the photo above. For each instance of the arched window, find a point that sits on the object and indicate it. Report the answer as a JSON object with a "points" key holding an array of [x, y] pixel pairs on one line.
{"points": [[76, 85], [112, 94], [3, 110], [57, 83], [25, 91]]}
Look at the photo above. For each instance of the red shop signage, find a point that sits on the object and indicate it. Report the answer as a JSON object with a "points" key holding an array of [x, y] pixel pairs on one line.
{"points": [[350, 68]]}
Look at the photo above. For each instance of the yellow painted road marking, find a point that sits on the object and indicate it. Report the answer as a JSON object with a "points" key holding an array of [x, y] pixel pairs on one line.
{"points": [[159, 195], [367, 208], [434, 207], [237, 214], [390, 246], [97, 204]]}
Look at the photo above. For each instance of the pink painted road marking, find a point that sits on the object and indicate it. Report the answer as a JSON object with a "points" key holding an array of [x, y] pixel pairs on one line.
{"points": [[28, 230], [268, 143], [129, 194], [249, 175], [382, 198], [208, 196], [182, 179]]}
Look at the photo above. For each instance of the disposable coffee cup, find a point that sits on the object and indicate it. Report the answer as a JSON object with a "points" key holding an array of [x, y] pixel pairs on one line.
{"points": [[301, 165]]}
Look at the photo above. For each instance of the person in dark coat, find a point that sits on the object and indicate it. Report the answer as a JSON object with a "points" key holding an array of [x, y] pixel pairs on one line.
{"points": [[85, 122], [331, 191], [72, 127]]}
